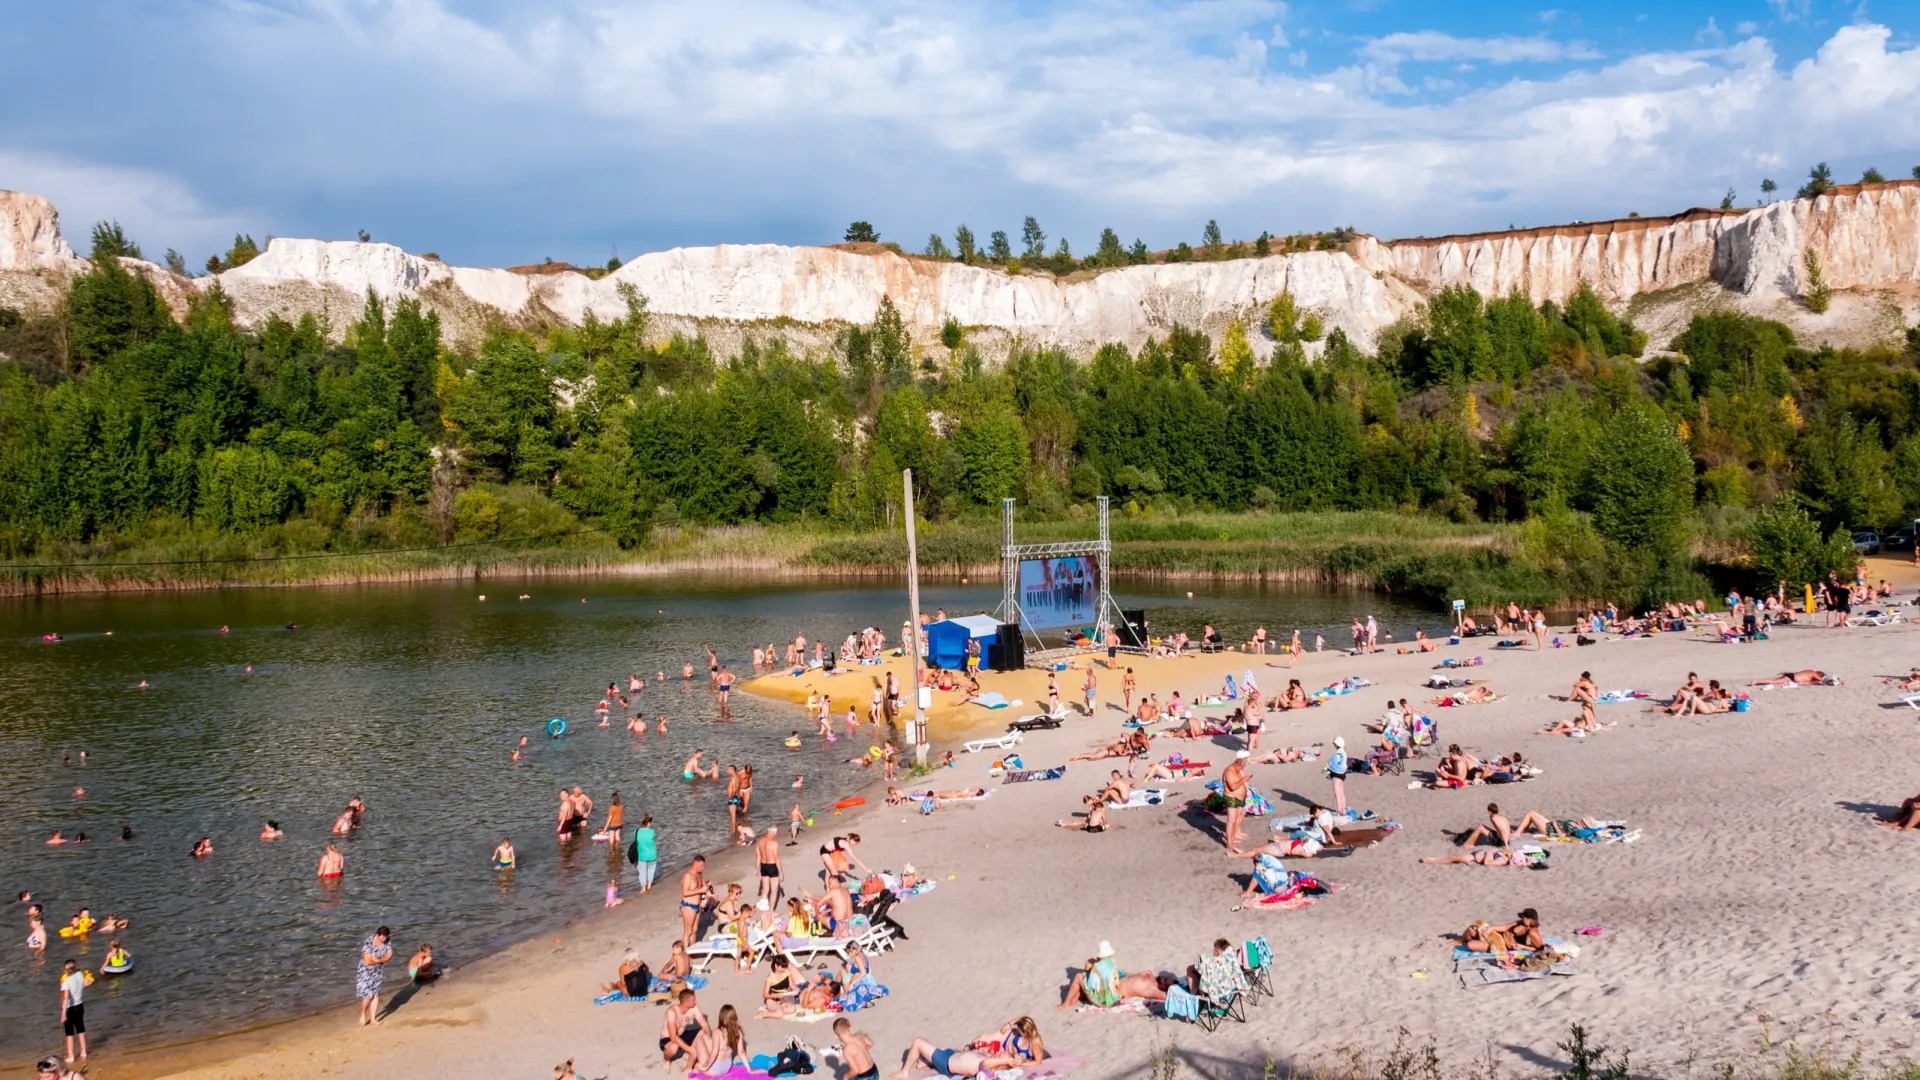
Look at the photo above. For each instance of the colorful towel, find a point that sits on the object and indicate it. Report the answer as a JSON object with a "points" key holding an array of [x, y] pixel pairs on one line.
{"points": [[1613, 697], [1143, 797], [1023, 776]]}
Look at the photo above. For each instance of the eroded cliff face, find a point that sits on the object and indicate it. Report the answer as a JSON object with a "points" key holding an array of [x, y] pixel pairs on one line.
{"points": [[1867, 239]]}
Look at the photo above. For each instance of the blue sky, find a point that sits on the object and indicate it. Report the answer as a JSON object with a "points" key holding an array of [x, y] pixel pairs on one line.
{"points": [[498, 131]]}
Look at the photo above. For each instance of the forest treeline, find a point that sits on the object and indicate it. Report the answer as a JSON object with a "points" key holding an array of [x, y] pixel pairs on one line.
{"points": [[120, 426]]}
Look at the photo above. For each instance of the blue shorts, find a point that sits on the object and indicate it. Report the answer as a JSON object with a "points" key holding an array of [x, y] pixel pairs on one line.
{"points": [[940, 1059]]}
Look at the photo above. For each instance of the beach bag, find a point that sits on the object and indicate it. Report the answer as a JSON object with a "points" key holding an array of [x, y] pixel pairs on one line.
{"points": [[1539, 960], [1742, 704], [793, 1060], [633, 850]]}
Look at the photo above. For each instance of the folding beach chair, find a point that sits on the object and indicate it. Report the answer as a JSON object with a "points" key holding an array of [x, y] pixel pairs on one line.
{"points": [[1212, 1011], [1257, 969], [1912, 700]]}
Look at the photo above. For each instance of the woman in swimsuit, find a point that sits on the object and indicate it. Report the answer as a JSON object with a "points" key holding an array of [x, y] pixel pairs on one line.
{"points": [[616, 818], [778, 994], [332, 863], [746, 789]]}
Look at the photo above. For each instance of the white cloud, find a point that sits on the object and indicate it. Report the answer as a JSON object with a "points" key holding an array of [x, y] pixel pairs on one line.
{"points": [[761, 119], [1431, 45], [158, 210]]}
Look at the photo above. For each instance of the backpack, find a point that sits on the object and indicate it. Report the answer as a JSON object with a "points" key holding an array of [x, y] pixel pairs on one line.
{"points": [[793, 1060], [633, 850]]}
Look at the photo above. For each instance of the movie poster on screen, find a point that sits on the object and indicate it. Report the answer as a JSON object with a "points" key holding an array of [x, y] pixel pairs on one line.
{"points": [[1058, 592]]}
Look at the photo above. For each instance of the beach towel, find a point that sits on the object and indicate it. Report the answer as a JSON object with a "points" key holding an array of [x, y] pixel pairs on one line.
{"points": [[1022, 776], [1181, 1005], [1298, 897], [992, 699], [1233, 688], [1143, 797], [1247, 685], [1216, 800], [1614, 697], [1456, 662], [858, 996]]}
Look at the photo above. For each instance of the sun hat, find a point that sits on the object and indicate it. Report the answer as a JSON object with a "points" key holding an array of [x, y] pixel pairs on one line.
{"points": [[1340, 741], [761, 904], [1105, 952], [1242, 753]]}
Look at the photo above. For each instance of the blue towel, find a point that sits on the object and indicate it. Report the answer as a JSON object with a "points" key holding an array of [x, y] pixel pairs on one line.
{"points": [[1181, 1005]]}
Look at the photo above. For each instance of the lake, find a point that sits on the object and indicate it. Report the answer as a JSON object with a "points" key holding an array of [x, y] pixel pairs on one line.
{"points": [[412, 697]]}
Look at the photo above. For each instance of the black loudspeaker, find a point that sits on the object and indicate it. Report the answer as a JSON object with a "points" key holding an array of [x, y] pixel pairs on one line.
{"points": [[1133, 631], [1009, 648]]}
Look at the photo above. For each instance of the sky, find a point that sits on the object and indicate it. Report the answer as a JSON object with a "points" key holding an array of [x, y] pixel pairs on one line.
{"points": [[496, 132]]}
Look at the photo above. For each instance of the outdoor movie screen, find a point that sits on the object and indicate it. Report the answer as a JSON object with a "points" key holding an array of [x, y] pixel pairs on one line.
{"points": [[1058, 592]]}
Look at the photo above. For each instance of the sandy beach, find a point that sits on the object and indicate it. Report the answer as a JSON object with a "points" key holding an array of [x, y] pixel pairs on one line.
{"points": [[1757, 900]]}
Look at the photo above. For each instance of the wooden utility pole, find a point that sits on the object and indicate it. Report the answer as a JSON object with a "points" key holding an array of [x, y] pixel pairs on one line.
{"points": [[917, 731]]}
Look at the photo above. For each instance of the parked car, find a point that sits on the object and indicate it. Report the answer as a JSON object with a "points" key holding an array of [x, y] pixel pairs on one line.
{"points": [[1900, 539], [1866, 542]]}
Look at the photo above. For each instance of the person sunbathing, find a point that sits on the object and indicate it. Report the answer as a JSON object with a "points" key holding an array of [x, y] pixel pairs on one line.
{"points": [[1803, 677], [1421, 643], [1117, 791], [1907, 817], [1473, 695], [1454, 769], [1499, 828], [1095, 819], [1112, 749], [1101, 982], [1282, 757], [1482, 857], [1521, 935], [957, 793], [1294, 697], [1911, 682]]}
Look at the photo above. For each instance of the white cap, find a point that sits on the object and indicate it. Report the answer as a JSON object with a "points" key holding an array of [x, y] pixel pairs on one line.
{"points": [[1242, 753], [909, 868], [1340, 742], [760, 904], [1106, 950]]}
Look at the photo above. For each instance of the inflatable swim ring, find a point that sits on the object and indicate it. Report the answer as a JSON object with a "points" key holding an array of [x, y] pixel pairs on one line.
{"points": [[857, 800], [121, 968], [556, 727], [85, 927], [792, 744], [875, 753]]}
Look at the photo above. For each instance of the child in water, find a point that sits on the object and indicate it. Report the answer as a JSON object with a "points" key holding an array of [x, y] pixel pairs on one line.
{"points": [[613, 892]]}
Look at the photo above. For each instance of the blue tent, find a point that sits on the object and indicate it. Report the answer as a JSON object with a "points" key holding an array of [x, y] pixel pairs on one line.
{"points": [[947, 639]]}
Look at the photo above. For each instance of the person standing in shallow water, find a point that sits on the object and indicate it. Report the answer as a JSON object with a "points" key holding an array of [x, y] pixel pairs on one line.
{"points": [[374, 952]]}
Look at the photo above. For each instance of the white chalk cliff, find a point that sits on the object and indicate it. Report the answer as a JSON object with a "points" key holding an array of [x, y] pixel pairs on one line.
{"points": [[1867, 238]]}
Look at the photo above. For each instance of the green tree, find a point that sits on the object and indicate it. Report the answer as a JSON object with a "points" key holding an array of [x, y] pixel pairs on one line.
{"points": [[1819, 179], [861, 232], [1034, 241], [937, 247], [1110, 252], [1815, 291], [1767, 187], [1210, 239], [1872, 176], [1462, 343], [1263, 245], [1640, 484], [1786, 546], [109, 308], [1138, 253], [963, 244], [993, 450], [1843, 472], [1726, 201], [998, 248], [111, 241], [1236, 355]]}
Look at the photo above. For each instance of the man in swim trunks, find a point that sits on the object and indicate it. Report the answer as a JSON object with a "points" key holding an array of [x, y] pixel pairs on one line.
{"points": [[692, 770], [1235, 788], [767, 851], [950, 1062], [569, 818], [684, 1023], [723, 685], [694, 894]]}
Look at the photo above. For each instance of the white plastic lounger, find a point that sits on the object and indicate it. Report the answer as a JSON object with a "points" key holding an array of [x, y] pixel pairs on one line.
{"points": [[1912, 700], [998, 742]]}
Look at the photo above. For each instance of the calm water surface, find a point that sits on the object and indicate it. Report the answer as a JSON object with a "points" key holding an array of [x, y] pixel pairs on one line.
{"points": [[411, 696]]}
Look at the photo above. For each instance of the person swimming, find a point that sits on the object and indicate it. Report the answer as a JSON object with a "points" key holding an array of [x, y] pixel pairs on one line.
{"points": [[793, 741], [203, 847], [271, 832], [503, 858], [692, 770], [332, 863]]}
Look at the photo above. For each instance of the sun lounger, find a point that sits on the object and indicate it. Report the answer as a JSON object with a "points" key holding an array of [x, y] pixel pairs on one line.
{"points": [[998, 742], [1912, 700], [1873, 618], [1036, 722]]}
